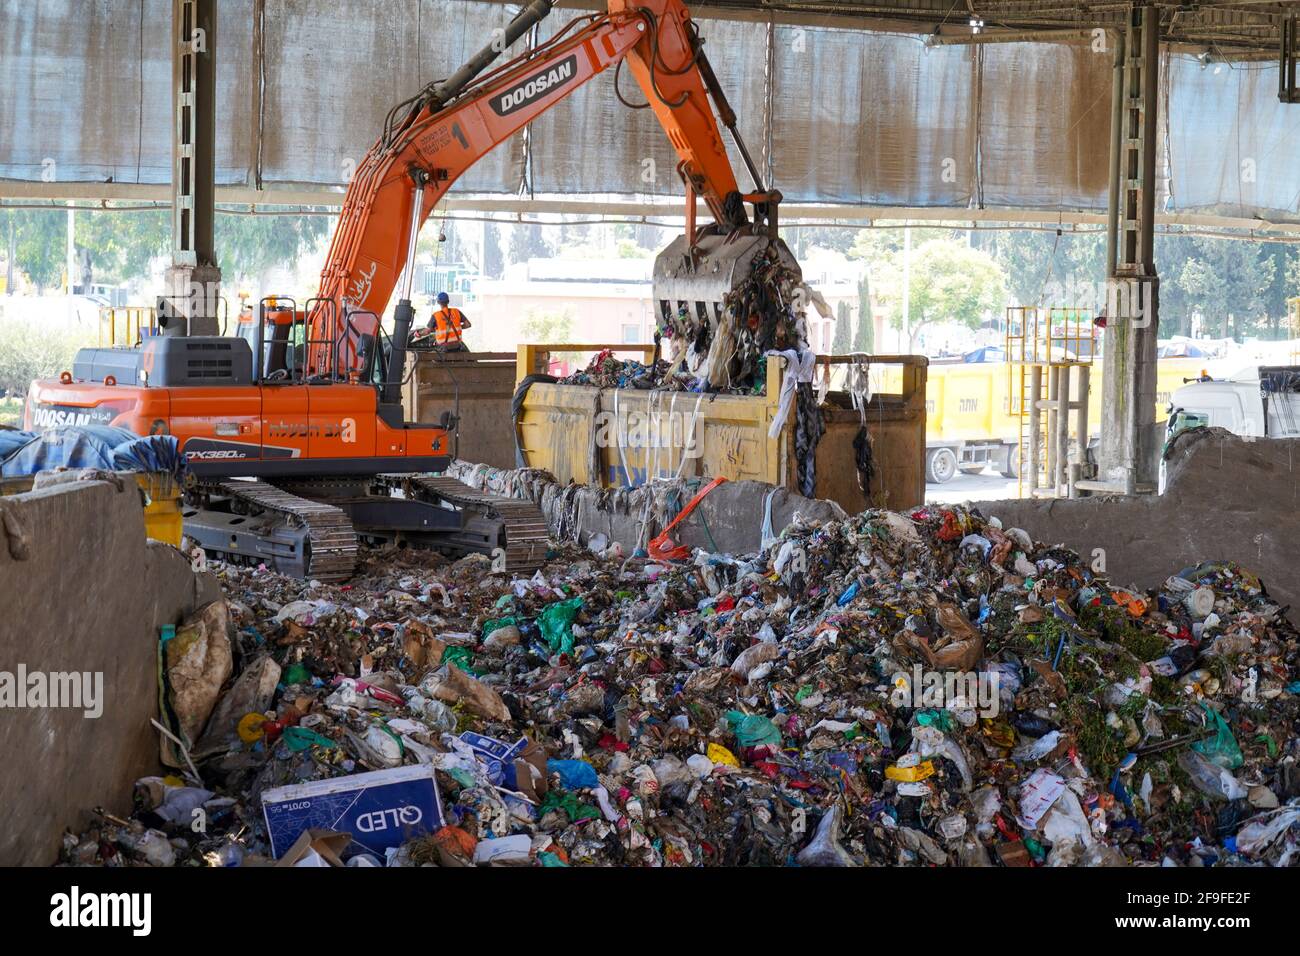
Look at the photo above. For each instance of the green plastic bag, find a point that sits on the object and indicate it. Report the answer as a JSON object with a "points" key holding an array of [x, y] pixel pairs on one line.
{"points": [[940, 719], [295, 674], [298, 739], [1221, 749], [753, 730], [497, 623], [461, 657], [570, 804], [556, 624]]}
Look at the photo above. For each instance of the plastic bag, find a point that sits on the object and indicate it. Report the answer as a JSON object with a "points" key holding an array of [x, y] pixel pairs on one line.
{"points": [[1211, 779], [824, 849], [1221, 749], [753, 730], [461, 657], [574, 774], [556, 624], [497, 623]]}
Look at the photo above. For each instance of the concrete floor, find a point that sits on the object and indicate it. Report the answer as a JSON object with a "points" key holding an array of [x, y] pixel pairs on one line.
{"points": [[988, 485]]}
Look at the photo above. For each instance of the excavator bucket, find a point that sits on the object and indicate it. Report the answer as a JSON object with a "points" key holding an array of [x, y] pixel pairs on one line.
{"points": [[699, 278]]}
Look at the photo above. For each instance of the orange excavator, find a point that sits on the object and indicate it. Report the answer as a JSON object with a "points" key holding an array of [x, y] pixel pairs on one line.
{"points": [[293, 430]]}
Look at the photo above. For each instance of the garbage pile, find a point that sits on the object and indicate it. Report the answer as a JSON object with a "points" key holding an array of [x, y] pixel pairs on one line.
{"points": [[765, 313], [605, 370], [928, 689]]}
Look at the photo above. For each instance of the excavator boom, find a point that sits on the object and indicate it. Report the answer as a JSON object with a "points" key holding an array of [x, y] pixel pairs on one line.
{"points": [[451, 125]]}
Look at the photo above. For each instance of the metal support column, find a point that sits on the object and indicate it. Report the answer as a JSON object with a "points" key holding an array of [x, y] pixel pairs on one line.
{"points": [[1053, 380], [1062, 436], [193, 281], [1129, 442], [1287, 91], [1081, 430], [1029, 468]]}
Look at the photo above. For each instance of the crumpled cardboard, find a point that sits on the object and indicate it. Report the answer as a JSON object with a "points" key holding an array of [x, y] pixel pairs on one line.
{"points": [[327, 844]]}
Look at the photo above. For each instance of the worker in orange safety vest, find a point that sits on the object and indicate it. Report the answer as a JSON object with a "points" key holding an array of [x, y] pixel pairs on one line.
{"points": [[447, 325]]}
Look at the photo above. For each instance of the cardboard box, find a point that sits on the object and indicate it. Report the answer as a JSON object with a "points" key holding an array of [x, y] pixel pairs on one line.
{"points": [[381, 809], [497, 756], [325, 844]]}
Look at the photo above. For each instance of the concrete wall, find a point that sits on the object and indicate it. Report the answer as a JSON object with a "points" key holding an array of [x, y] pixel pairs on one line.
{"points": [[1226, 499], [728, 519], [89, 596]]}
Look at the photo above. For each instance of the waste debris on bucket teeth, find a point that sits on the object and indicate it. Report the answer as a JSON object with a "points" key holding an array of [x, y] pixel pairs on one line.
{"points": [[701, 276]]}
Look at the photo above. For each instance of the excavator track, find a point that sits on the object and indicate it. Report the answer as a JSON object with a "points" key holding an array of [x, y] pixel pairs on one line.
{"points": [[527, 536], [317, 526], [325, 549]]}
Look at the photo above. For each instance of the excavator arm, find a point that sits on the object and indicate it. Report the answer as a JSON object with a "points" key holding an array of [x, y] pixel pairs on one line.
{"points": [[431, 140]]}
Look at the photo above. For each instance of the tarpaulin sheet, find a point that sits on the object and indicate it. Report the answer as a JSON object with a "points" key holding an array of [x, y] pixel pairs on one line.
{"points": [[93, 446], [1050, 148], [593, 144], [333, 73], [85, 91], [1235, 147], [872, 118], [838, 115]]}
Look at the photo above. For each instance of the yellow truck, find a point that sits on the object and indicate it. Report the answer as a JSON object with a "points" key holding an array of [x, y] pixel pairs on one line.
{"points": [[969, 423]]}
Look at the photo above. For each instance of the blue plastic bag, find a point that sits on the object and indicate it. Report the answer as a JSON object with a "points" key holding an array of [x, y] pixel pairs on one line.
{"points": [[574, 774]]}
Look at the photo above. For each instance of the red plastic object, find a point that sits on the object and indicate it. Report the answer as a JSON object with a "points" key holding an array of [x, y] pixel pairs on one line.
{"points": [[662, 548]]}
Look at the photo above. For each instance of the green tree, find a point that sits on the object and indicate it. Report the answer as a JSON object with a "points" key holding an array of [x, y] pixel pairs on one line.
{"points": [[27, 354], [804, 239], [494, 260], [1227, 282], [116, 247], [549, 326], [843, 339], [1044, 268], [528, 241], [1292, 289], [249, 247], [1172, 253], [1275, 296], [865, 338], [949, 282], [40, 243], [884, 246], [628, 249]]}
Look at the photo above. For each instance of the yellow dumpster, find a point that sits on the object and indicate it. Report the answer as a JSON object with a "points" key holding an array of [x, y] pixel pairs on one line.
{"points": [[619, 438], [162, 506]]}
